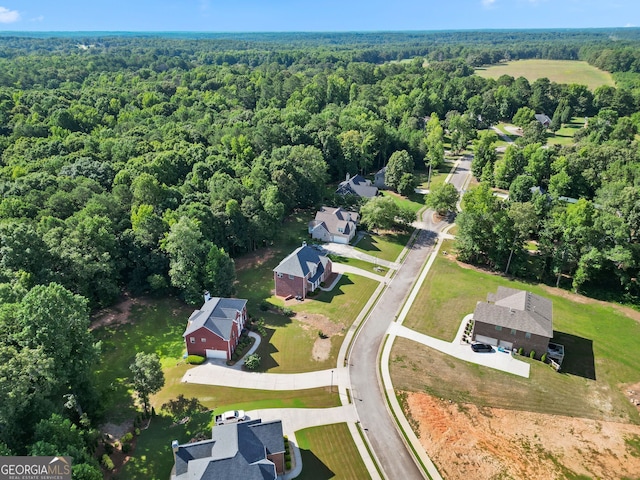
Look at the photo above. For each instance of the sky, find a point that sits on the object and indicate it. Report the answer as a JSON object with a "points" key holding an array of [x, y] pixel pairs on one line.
{"points": [[312, 15]]}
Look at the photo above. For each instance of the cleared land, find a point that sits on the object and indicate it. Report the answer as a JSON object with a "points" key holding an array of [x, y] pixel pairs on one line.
{"points": [[559, 71], [483, 423]]}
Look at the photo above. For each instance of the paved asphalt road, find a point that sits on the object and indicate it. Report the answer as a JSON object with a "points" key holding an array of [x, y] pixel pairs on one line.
{"points": [[395, 459]]}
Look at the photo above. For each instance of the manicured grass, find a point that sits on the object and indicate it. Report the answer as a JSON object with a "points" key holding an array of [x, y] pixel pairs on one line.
{"points": [[228, 398], [329, 452], [288, 346], [343, 303], [597, 339], [414, 201], [564, 136], [357, 263], [438, 175], [152, 458], [385, 246], [559, 71]]}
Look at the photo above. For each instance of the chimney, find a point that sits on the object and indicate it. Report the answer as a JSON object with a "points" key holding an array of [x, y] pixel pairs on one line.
{"points": [[207, 296], [346, 179], [304, 244], [174, 447]]}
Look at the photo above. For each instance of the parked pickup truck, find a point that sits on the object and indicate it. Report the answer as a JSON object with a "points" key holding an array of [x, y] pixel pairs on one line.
{"points": [[232, 416]]}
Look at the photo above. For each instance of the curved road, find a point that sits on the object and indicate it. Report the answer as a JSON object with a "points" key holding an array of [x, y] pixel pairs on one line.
{"points": [[395, 459]]}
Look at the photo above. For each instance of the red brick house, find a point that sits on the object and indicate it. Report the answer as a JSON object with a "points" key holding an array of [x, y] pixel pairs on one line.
{"points": [[214, 330], [301, 272], [513, 319]]}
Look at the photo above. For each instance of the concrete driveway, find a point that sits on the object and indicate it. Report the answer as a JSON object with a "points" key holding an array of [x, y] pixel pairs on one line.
{"points": [[294, 419], [351, 252], [342, 268], [498, 360], [211, 374]]}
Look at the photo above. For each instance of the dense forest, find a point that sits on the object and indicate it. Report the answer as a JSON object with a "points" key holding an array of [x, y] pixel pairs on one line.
{"points": [[146, 163]]}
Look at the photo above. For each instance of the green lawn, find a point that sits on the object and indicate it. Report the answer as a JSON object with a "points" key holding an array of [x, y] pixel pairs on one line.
{"points": [[157, 326], [387, 246], [414, 202], [597, 338], [152, 458], [291, 342], [438, 175], [559, 71], [357, 263], [564, 136], [329, 452]]}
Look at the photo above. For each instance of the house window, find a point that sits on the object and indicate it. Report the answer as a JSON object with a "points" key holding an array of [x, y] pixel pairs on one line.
{"points": [[279, 275], [192, 339], [290, 277], [498, 328], [203, 340], [527, 335], [513, 331]]}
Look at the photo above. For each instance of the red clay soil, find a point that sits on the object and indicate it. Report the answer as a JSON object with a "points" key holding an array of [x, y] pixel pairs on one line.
{"points": [[467, 442]]}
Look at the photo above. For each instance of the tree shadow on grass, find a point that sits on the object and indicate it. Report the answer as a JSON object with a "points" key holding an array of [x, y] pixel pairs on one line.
{"points": [[327, 297], [313, 468], [266, 351], [578, 355]]}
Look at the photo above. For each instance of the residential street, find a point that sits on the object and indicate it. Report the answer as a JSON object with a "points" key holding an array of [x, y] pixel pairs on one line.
{"points": [[395, 459]]}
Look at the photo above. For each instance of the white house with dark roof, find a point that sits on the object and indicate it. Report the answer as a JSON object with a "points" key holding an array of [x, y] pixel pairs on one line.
{"points": [[513, 319], [379, 177], [334, 225], [214, 330], [252, 450], [301, 272], [357, 185]]}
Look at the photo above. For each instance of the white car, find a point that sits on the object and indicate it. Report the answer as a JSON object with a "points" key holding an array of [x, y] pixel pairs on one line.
{"points": [[231, 416]]}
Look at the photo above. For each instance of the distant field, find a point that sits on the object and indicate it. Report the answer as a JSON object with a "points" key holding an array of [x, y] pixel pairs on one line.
{"points": [[559, 71]]}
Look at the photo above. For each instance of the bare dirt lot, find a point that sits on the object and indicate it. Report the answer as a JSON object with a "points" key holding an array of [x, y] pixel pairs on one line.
{"points": [[319, 323], [467, 442]]}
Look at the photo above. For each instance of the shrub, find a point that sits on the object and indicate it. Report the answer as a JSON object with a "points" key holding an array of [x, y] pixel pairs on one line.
{"points": [[287, 465], [543, 359], [520, 351], [126, 447], [287, 312], [264, 306], [108, 448], [137, 432], [253, 361], [107, 463], [195, 360], [532, 354], [127, 437]]}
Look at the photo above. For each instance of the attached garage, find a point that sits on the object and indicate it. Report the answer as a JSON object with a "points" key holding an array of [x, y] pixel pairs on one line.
{"points": [[487, 340], [216, 354]]}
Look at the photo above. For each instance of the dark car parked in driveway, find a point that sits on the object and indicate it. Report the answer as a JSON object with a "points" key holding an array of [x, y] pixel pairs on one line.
{"points": [[481, 347]]}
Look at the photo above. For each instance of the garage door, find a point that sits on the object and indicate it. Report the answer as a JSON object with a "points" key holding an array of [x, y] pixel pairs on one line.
{"points": [[505, 344], [216, 354], [487, 340]]}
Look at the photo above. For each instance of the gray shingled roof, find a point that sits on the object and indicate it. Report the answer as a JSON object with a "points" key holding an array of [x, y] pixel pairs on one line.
{"points": [[542, 118], [333, 219], [357, 185], [217, 315], [302, 261], [517, 309], [236, 450]]}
